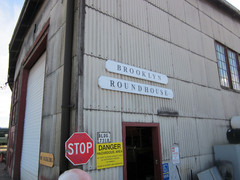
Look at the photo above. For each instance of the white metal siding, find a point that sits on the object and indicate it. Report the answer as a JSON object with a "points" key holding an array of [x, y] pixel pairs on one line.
{"points": [[32, 121], [103, 121], [175, 38]]}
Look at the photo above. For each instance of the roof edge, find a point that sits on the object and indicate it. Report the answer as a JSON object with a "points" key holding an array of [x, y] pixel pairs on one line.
{"points": [[28, 13], [20, 18], [225, 5]]}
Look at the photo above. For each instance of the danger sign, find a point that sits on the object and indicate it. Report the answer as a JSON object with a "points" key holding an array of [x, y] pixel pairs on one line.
{"points": [[109, 155], [79, 148]]}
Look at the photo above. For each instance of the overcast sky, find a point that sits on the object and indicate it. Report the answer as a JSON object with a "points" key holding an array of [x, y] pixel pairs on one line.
{"points": [[9, 13]]}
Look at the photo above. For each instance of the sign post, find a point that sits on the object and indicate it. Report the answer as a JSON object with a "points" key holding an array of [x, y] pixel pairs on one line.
{"points": [[79, 148]]}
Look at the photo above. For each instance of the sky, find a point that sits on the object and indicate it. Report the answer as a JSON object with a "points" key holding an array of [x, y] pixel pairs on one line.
{"points": [[9, 13], [235, 3]]}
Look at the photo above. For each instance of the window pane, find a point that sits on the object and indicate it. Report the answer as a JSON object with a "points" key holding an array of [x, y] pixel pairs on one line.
{"points": [[234, 69], [222, 66], [219, 64]]}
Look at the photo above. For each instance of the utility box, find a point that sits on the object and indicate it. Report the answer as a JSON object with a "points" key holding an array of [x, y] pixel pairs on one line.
{"points": [[230, 153]]}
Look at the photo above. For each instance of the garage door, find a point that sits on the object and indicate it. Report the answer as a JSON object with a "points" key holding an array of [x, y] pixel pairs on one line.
{"points": [[32, 121]]}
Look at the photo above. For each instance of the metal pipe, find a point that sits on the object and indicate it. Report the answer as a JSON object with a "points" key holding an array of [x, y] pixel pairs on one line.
{"points": [[66, 93]]}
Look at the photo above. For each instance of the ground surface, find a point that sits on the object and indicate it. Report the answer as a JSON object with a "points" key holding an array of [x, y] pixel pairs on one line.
{"points": [[3, 172]]}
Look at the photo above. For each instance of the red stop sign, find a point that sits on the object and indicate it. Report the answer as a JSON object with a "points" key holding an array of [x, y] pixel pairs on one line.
{"points": [[79, 148]]}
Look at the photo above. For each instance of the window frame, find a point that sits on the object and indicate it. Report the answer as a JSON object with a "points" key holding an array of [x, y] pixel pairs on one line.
{"points": [[228, 67], [15, 102]]}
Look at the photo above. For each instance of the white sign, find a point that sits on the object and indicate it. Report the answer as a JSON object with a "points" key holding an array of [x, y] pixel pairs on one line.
{"points": [[132, 87], [104, 137], [175, 155], [132, 71]]}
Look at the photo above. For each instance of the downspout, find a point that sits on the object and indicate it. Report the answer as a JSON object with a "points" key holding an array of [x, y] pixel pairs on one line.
{"points": [[66, 93]]}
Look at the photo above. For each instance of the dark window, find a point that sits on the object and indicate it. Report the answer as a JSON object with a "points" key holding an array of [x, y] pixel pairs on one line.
{"points": [[228, 67]]}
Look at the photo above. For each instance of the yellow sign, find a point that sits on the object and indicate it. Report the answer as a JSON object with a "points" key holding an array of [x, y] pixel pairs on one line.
{"points": [[46, 159], [109, 155]]}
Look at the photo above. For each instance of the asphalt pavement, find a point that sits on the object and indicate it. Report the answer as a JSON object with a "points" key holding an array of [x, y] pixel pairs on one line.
{"points": [[3, 172]]}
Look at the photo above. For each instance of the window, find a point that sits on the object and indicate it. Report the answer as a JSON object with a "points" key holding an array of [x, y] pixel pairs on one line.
{"points": [[14, 105], [228, 67], [234, 70]]}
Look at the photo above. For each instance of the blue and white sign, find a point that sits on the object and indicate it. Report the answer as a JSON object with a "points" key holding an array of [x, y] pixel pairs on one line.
{"points": [[165, 167]]}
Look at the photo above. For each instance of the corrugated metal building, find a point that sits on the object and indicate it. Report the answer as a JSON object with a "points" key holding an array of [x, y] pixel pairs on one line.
{"points": [[62, 82]]}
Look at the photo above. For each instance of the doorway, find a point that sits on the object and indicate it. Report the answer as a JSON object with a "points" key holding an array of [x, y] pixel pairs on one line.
{"points": [[32, 121], [142, 151]]}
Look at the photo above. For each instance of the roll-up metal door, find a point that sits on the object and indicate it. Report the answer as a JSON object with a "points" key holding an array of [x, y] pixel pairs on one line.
{"points": [[32, 121]]}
